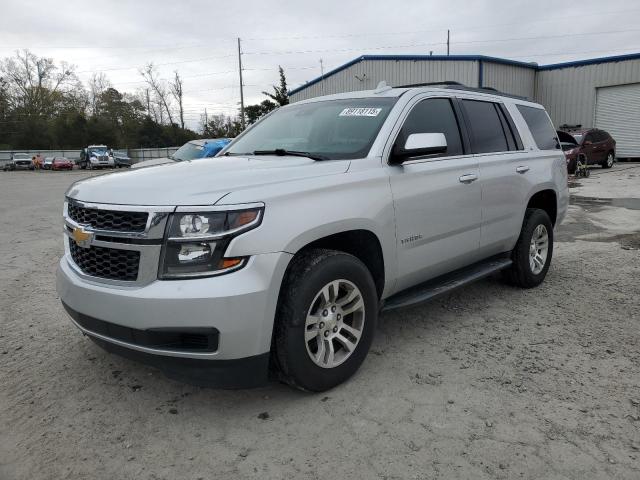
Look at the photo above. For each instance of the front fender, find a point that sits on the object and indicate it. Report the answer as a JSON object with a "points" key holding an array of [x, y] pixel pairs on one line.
{"points": [[299, 213]]}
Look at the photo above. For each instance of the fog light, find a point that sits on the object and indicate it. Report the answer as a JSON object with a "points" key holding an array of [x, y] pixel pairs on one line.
{"points": [[195, 252]]}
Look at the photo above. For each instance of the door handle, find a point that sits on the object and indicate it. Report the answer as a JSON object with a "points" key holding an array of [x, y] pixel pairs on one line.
{"points": [[468, 178], [522, 169]]}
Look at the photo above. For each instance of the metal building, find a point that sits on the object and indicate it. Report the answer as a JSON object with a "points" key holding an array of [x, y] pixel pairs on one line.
{"points": [[600, 92]]}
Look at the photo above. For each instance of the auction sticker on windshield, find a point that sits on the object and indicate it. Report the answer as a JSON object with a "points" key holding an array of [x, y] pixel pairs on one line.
{"points": [[360, 112]]}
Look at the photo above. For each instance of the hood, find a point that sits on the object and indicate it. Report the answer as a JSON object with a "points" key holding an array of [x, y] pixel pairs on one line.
{"points": [[201, 182], [152, 162]]}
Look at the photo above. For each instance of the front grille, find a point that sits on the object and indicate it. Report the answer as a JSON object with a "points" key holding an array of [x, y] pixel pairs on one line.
{"points": [[110, 263], [114, 220]]}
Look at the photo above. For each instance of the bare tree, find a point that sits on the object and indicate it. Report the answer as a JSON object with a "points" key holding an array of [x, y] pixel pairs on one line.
{"points": [[176, 91], [157, 86], [35, 84], [98, 84]]}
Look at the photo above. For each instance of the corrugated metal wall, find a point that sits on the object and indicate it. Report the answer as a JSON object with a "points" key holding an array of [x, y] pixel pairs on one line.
{"points": [[569, 94], [365, 75], [509, 78]]}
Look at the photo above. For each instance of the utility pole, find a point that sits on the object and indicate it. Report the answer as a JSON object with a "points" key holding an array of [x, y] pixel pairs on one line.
{"points": [[242, 120], [321, 77], [448, 36]]}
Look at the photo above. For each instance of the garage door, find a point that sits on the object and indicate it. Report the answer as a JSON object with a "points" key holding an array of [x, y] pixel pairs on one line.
{"points": [[618, 112]]}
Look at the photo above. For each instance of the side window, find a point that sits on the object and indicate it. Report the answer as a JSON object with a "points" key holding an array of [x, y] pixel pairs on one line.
{"points": [[510, 130], [487, 132], [601, 136], [589, 138], [434, 115], [540, 126]]}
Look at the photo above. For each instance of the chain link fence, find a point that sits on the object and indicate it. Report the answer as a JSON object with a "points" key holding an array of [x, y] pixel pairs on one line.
{"points": [[136, 154]]}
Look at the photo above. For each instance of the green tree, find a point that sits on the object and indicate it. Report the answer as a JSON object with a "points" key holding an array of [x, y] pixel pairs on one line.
{"points": [[280, 93], [278, 98]]}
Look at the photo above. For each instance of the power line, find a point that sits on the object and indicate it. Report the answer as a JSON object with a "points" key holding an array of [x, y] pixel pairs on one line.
{"points": [[202, 59]]}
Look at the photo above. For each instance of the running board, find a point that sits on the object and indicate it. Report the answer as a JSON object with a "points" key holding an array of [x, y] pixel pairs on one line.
{"points": [[445, 283]]}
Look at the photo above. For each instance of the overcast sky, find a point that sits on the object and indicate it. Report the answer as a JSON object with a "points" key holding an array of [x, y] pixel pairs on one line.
{"points": [[198, 38]]}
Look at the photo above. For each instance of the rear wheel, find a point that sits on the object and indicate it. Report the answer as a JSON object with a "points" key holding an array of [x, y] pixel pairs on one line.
{"points": [[326, 319], [532, 254], [608, 162]]}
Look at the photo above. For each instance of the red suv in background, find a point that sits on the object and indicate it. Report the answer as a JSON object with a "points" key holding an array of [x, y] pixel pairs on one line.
{"points": [[590, 146]]}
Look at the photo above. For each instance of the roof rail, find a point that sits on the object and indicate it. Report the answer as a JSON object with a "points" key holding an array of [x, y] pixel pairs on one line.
{"points": [[431, 84], [459, 86]]}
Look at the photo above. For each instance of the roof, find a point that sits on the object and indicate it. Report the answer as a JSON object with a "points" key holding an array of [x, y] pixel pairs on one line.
{"points": [[591, 61], [471, 58]]}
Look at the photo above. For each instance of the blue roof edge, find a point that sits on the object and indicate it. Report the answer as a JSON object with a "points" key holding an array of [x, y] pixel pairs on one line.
{"points": [[484, 58], [591, 61]]}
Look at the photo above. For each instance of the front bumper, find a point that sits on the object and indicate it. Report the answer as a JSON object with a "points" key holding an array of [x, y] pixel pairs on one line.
{"points": [[240, 306]]}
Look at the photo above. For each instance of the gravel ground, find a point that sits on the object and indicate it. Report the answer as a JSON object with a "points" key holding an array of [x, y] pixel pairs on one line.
{"points": [[487, 382]]}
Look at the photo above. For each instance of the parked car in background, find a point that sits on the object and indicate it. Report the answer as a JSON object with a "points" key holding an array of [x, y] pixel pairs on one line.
{"points": [[95, 156], [193, 150], [121, 160], [61, 163], [47, 162], [20, 161], [592, 147]]}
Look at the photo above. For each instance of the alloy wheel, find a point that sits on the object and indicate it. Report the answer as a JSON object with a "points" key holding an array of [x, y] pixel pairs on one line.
{"points": [[334, 324], [538, 249]]}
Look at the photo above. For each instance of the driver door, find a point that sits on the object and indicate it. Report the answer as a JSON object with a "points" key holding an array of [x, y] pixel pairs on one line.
{"points": [[437, 198]]}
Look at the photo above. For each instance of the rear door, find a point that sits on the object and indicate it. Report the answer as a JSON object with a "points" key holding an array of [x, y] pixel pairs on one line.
{"points": [[503, 165], [436, 197], [600, 146], [588, 146]]}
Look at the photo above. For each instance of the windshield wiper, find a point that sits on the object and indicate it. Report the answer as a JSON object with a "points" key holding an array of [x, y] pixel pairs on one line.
{"points": [[233, 154], [281, 152]]}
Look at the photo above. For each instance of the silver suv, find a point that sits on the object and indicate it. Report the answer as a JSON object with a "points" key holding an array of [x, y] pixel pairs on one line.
{"points": [[278, 255]]}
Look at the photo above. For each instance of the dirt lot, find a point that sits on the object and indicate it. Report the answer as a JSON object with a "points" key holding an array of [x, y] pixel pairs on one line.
{"points": [[488, 382]]}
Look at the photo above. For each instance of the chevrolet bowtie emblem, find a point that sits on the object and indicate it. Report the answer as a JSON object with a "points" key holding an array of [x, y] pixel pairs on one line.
{"points": [[81, 237]]}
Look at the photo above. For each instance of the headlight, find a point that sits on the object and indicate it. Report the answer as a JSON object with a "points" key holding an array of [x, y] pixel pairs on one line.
{"points": [[197, 241]]}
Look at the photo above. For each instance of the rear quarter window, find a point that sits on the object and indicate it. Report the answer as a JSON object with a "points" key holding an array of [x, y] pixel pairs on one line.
{"points": [[540, 126]]}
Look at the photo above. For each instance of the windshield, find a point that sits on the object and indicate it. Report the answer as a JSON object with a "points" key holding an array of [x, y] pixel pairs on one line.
{"points": [[331, 129], [21, 156], [97, 151], [188, 151]]}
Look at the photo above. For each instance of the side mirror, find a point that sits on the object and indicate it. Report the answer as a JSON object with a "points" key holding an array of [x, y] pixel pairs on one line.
{"points": [[418, 145]]}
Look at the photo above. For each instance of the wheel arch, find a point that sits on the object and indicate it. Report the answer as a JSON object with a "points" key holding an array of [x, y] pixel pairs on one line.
{"points": [[546, 200], [362, 243]]}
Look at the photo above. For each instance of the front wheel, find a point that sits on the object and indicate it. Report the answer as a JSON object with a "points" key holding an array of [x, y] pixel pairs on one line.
{"points": [[532, 254], [608, 163], [326, 319]]}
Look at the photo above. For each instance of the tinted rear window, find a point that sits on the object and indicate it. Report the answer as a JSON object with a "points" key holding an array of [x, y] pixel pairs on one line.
{"points": [[540, 126], [487, 132]]}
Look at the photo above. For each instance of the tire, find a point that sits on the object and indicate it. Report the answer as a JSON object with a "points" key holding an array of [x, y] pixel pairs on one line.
{"points": [[571, 167], [297, 352], [608, 163], [522, 273]]}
